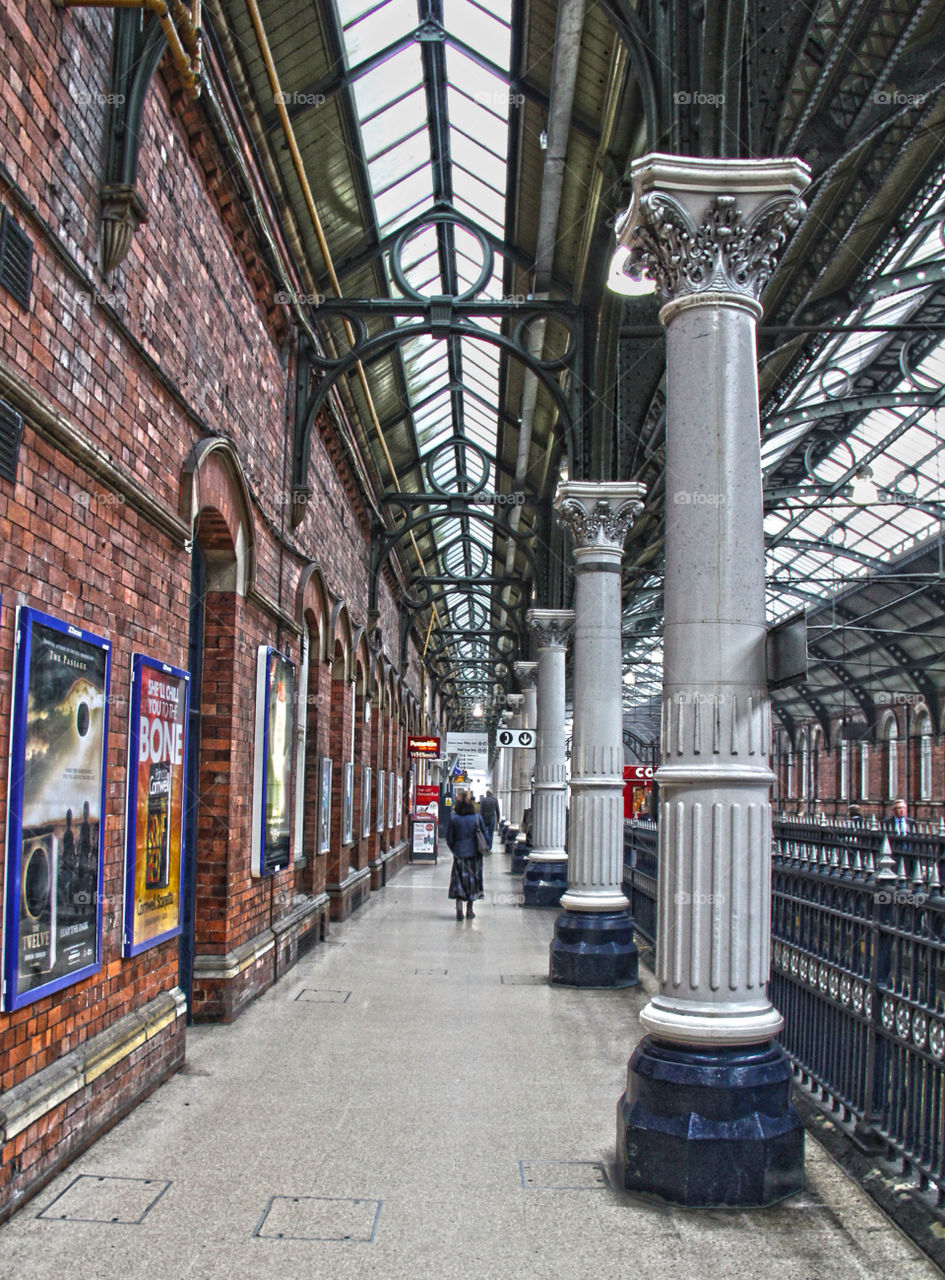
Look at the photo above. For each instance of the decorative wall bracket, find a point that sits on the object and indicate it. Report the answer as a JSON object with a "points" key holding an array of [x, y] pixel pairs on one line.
{"points": [[144, 31]]}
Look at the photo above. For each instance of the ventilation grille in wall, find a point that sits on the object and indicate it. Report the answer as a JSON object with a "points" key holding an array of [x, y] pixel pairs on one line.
{"points": [[11, 425], [16, 260]]}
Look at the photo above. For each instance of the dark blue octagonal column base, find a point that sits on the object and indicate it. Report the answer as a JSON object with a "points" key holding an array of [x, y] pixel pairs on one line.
{"points": [[594, 949], [543, 883], [520, 851], [710, 1127]]}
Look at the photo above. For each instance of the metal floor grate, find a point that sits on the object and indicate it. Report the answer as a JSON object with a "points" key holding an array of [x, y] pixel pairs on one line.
{"points": [[89, 1198], [319, 1218]]}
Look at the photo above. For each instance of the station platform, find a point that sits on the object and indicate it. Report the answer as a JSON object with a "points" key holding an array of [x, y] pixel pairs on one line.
{"points": [[413, 1101]]}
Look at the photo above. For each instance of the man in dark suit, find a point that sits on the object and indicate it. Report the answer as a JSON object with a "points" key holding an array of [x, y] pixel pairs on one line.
{"points": [[900, 823], [489, 812]]}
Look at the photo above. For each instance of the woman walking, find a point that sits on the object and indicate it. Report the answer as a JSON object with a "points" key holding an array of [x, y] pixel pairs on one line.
{"points": [[466, 878]]}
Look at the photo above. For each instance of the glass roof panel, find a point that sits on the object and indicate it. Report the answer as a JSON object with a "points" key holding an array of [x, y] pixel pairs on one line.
{"points": [[400, 118], [479, 29], [350, 10], [401, 158], [478, 160], [410, 194], [382, 85], [378, 28]]}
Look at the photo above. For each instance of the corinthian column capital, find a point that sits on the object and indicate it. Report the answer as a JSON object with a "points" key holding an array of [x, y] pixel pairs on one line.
{"points": [[599, 515], [527, 674], [710, 227], [551, 626]]}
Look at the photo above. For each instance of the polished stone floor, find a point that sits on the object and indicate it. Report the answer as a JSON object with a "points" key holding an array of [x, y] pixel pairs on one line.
{"points": [[414, 1101]]}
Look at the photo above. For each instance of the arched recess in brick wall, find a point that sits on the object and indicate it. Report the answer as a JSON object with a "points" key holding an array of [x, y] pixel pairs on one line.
{"points": [[920, 754], [382, 705], [889, 741], [399, 754], [375, 749], [390, 751], [341, 737], [312, 611], [362, 745], [215, 503]]}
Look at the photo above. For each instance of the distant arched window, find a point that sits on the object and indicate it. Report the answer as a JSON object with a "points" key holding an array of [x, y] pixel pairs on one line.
{"points": [[864, 770], [891, 738], [844, 769], [805, 765], [816, 744], [922, 728]]}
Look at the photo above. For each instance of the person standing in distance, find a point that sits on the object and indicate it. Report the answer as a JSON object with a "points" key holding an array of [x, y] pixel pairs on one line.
{"points": [[489, 812], [466, 876]]}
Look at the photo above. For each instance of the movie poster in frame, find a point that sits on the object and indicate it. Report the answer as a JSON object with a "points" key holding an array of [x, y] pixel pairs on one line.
{"points": [[391, 786], [379, 822], [366, 801], [347, 802], [56, 803], [324, 806], [274, 751], [154, 816], [399, 809]]}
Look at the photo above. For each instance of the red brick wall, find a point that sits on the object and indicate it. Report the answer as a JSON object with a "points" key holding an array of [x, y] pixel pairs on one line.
{"points": [[181, 345]]}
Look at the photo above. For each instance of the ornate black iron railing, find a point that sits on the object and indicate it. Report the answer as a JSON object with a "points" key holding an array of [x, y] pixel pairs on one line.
{"points": [[858, 971]]}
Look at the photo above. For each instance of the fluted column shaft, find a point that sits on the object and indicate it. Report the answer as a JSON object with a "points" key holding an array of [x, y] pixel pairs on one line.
{"points": [[550, 792], [516, 703], [527, 673], [598, 516], [708, 231]]}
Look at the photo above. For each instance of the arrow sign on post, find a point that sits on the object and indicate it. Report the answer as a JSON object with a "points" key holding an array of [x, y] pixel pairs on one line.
{"points": [[515, 738]]}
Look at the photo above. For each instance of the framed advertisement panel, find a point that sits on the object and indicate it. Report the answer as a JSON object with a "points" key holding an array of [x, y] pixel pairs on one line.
{"points": [[154, 816], [399, 807], [391, 781], [347, 802], [272, 773], [56, 802], [324, 806], [366, 801], [379, 821]]}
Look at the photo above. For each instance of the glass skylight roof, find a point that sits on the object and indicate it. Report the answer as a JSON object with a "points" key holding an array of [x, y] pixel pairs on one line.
{"points": [[822, 538], [452, 384], [821, 541]]}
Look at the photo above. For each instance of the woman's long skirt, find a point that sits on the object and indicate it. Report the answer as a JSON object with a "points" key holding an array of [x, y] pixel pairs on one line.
{"points": [[466, 878]]}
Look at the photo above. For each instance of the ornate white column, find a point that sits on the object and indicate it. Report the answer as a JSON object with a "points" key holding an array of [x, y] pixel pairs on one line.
{"points": [[546, 876], [504, 765], [515, 703], [527, 675], [593, 944], [708, 232]]}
